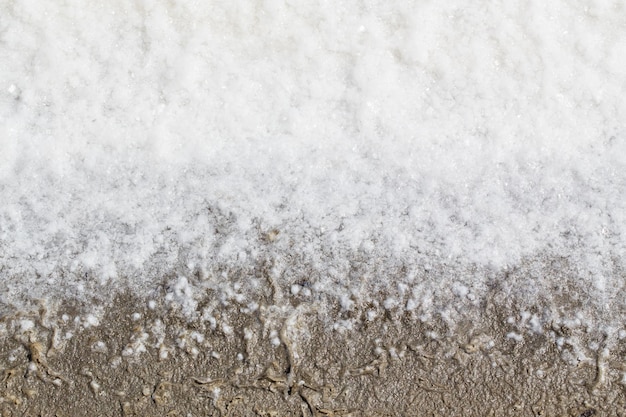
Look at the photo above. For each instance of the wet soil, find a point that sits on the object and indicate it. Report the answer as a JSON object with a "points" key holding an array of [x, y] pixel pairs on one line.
{"points": [[144, 359]]}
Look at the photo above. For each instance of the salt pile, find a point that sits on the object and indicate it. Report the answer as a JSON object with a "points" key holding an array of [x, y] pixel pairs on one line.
{"points": [[408, 153]]}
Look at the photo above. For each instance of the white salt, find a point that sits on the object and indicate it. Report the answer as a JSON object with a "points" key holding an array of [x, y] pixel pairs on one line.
{"points": [[401, 133]]}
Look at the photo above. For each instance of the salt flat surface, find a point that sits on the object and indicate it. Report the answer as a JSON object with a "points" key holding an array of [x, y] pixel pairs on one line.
{"points": [[346, 146]]}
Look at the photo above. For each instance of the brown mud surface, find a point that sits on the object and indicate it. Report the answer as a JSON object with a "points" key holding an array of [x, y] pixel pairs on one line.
{"points": [[143, 359]]}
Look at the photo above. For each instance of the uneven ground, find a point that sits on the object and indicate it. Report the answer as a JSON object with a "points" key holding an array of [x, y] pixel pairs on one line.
{"points": [[144, 359]]}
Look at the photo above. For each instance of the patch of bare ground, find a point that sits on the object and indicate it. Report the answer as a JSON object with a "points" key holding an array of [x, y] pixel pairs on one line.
{"points": [[142, 361]]}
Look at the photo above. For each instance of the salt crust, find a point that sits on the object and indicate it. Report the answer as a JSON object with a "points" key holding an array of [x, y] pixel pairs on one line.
{"points": [[345, 150]]}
